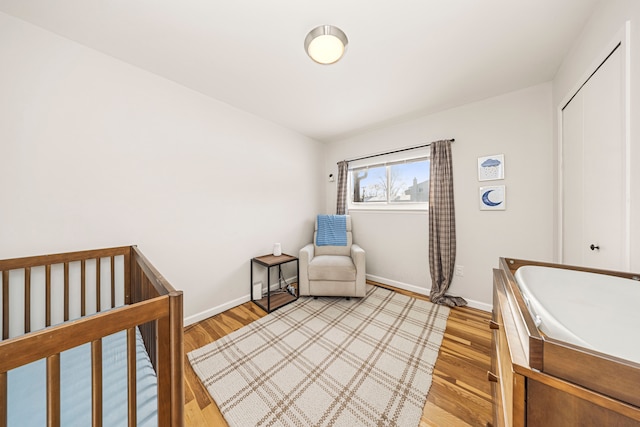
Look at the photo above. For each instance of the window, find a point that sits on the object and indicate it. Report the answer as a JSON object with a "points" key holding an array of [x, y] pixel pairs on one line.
{"points": [[401, 184]]}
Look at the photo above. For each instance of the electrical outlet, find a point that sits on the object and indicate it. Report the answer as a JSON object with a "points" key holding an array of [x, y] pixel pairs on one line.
{"points": [[459, 270]]}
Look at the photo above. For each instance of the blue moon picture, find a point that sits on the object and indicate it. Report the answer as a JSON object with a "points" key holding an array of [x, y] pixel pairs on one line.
{"points": [[492, 198], [487, 201]]}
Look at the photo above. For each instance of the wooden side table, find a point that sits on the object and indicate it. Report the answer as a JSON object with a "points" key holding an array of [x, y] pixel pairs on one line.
{"points": [[281, 297]]}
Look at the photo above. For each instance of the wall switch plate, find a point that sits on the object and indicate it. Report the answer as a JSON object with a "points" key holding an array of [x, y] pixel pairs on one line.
{"points": [[459, 270]]}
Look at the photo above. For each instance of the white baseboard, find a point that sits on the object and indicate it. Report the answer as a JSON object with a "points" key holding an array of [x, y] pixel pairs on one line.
{"points": [[422, 291], [479, 305], [215, 310], [226, 306], [400, 285]]}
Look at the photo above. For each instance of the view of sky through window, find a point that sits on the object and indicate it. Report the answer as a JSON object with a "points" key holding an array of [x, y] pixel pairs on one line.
{"points": [[394, 183]]}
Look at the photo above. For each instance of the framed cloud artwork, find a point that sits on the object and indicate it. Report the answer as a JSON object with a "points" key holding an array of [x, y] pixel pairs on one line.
{"points": [[491, 167], [492, 198]]}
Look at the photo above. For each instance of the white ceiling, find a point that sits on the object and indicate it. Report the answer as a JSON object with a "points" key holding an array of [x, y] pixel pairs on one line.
{"points": [[405, 57]]}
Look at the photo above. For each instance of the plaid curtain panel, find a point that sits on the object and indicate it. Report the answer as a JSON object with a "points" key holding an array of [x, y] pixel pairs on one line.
{"points": [[343, 170], [442, 225]]}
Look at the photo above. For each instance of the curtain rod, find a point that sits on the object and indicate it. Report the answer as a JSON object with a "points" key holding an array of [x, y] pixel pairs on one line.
{"points": [[392, 152]]}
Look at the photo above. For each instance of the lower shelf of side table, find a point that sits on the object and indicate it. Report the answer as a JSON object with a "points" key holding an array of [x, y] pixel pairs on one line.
{"points": [[278, 299]]}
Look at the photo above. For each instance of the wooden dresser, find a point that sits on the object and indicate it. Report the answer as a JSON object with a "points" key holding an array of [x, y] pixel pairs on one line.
{"points": [[525, 394]]}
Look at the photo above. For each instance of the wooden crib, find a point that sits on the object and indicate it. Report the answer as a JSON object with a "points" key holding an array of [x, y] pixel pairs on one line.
{"points": [[53, 303]]}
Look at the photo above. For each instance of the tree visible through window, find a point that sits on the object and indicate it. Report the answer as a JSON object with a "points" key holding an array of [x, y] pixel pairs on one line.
{"points": [[401, 182]]}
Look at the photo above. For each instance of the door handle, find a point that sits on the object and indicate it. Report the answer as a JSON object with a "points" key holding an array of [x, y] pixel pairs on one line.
{"points": [[594, 247]]}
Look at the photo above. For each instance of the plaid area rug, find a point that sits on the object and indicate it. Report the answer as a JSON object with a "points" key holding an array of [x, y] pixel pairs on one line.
{"points": [[327, 362]]}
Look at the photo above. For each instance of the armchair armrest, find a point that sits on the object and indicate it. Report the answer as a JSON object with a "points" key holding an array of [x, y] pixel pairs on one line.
{"points": [[306, 254], [304, 258], [358, 257]]}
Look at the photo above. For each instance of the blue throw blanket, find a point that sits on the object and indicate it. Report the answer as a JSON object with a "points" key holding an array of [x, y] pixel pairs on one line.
{"points": [[332, 230]]}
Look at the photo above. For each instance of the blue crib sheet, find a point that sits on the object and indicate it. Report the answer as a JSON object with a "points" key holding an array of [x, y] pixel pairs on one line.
{"points": [[26, 402]]}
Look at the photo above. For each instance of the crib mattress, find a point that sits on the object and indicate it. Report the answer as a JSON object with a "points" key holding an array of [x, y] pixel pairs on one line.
{"points": [[26, 403]]}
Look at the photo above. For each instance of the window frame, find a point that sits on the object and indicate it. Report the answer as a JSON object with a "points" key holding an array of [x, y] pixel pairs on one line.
{"points": [[387, 205]]}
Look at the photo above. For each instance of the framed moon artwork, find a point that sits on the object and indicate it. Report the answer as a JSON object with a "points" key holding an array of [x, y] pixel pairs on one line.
{"points": [[492, 198]]}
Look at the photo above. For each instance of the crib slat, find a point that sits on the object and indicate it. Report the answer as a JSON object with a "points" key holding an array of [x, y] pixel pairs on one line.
{"points": [[127, 278], [53, 390], [113, 282], [177, 353], [27, 300], [132, 386], [48, 295], [3, 399], [97, 284], [66, 291], [5, 305], [96, 383], [83, 289]]}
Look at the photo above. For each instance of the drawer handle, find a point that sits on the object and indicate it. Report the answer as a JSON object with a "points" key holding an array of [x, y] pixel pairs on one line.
{"points": [[493, 325], [492, 377]]}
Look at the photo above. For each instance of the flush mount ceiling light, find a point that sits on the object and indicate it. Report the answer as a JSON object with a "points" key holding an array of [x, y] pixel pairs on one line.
{"points": [[325, 44]]}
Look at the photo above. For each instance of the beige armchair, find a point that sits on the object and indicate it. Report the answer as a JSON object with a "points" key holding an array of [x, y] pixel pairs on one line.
{"points": [[332, 270]]}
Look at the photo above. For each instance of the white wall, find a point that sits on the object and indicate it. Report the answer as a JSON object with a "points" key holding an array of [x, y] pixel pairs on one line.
{"points": [[608, 18], [518, 125], [97, 153]]}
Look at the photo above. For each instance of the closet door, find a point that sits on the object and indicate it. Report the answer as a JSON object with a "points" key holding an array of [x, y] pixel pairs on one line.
{"points": [[593, 174]]}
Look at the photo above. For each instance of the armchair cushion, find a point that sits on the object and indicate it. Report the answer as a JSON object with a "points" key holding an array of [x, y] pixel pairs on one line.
{"points": [[332, 267]]}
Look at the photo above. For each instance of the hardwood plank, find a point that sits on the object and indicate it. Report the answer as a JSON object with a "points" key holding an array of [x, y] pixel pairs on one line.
{"points": [[213, 415], [199, 394], [193, 416], [460, 394], [196, 336], [435, 416], [464, 404], [472, 376]]}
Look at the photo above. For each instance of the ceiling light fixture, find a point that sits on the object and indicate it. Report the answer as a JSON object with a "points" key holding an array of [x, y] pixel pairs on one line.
{"points": [[325, 44]]}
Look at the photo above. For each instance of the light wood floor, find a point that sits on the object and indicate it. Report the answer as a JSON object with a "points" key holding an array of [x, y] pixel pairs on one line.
{"points": [[459, 396]]}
